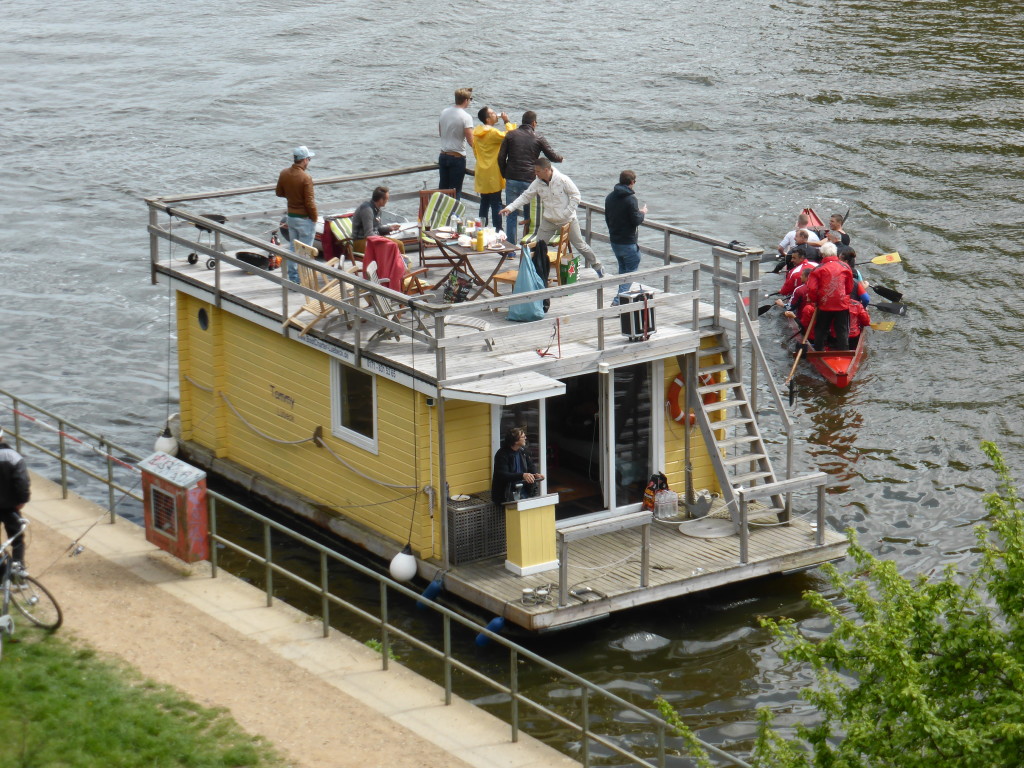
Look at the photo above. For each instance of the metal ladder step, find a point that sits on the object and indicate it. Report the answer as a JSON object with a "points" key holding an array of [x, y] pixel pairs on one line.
{"points": [[738, 440], [717, 350], [740, 479], [736, 421], [717, 387], [721, 405], [709, 369], [744, 459]]}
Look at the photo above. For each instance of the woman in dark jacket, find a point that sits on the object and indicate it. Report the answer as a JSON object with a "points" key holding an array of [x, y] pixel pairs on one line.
{"points": [[513, 465]]}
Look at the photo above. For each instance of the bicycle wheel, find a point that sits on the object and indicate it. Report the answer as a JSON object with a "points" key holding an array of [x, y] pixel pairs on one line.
{"points": [[35, 603]]}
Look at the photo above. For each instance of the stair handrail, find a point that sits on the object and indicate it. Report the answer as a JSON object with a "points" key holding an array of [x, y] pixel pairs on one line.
{"points": [[742, 312]]}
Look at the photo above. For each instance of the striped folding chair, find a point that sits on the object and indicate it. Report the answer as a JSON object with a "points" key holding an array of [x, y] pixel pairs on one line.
{"points": [[536, 212], [438, 211], [342, 230]]}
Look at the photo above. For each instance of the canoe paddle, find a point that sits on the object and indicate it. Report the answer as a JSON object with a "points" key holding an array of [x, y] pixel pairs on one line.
{"points": [[799, 354], [887, 258], [892, 309], [887, 293], [883, 325]]}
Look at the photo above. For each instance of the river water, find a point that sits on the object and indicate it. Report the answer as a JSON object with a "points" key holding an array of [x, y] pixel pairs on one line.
{"points": [[734, 115]]}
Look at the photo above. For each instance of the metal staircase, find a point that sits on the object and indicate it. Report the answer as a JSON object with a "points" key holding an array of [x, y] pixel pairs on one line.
{"points": [[740, 458]]}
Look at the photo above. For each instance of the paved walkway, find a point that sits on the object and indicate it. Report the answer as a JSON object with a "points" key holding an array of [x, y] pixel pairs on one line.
{"points": [[323, 702]]}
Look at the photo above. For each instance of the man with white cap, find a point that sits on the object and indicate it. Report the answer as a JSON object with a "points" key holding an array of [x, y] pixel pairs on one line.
{"points": [[296, 185]]}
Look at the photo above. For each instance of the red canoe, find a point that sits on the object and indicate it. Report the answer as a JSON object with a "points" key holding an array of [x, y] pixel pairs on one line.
{"points": [[839, 367], [814, 222]]}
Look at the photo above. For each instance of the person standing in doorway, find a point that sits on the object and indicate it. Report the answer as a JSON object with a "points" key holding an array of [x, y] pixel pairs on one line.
{"points": [[513, 466], [455, 127], [560, 198], [623, 214], [14, 494], [518, 152], [488, 182], [296, 185]]}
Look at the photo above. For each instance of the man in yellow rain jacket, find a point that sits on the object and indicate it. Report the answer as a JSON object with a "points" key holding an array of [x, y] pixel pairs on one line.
{"points": [[489, 183]]}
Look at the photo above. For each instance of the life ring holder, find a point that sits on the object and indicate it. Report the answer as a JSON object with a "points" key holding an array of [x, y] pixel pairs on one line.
{"points": [[675, 406]]}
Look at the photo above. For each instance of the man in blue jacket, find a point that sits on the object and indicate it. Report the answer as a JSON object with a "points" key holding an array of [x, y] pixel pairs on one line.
{"points": [[14, 494], [623, 215]]}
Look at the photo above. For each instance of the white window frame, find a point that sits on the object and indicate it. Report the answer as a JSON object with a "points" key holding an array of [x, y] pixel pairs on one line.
{"points": [[338, 429]]}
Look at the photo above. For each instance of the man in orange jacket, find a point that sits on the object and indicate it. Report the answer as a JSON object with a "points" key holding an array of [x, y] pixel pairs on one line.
{"points": [[828, 288]]}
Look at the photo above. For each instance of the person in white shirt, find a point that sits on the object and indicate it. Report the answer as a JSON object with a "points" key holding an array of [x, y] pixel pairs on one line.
{"points": [[560, 198], [455, 127], [790, 239]]}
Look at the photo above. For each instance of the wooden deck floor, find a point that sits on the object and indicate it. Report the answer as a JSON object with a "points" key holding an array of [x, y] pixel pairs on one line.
{"points": [[487, 345], [609, 565]]}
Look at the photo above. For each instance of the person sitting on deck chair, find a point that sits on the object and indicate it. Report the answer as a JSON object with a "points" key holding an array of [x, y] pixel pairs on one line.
{"points": [[828, 289], [366, 220], [513, 466]]}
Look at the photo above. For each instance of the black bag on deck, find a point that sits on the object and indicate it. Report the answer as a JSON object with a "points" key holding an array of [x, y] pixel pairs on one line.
{"points": [[543, 266]]}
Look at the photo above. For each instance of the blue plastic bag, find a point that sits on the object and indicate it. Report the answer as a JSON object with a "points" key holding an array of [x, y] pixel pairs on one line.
{"points": [[527, 280]]}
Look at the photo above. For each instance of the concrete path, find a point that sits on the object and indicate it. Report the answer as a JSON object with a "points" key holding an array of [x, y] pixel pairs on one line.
{"points": [[323, 702]]}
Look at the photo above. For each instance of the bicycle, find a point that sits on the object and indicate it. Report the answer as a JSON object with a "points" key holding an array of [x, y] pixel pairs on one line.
{"points": [[25, 593]]}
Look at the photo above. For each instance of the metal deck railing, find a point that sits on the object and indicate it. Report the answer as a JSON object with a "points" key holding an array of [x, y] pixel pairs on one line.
{"points": [[578, 721]]}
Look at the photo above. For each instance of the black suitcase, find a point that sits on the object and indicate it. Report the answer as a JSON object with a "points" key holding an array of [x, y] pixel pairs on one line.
{"points": [[638, 325]]}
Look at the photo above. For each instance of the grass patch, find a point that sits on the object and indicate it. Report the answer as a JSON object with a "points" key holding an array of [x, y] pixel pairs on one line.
{"points": [[64, 706]]}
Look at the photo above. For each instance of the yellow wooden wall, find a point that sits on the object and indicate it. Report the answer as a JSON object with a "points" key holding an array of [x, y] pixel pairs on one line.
{"points": [[675, 460], [282, 389]]}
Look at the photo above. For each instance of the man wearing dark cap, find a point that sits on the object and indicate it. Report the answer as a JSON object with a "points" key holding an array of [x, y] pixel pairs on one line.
{"points": [[296, 185]]}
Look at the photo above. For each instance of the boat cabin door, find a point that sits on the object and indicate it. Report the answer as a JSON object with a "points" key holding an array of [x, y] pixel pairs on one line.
{"points": [[600, 428]]}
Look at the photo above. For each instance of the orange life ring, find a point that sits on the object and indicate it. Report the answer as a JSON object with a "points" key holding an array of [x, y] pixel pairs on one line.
{"points": [[675, 407]]}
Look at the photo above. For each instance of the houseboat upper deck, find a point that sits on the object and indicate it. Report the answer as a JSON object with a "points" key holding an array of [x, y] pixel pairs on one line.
{"points": [[377, 412]]}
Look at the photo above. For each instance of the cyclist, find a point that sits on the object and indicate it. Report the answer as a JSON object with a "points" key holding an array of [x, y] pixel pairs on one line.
{"points": [[14, 494]]}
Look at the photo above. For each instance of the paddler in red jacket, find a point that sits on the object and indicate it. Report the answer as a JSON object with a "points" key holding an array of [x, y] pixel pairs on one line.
{"points": [[828, 289], [859, 319]]}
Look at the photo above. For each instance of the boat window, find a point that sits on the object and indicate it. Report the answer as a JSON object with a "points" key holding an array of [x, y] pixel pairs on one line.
{"points": [[354, 406]]}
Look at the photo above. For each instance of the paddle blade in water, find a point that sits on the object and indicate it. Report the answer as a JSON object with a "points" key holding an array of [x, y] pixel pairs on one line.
{"points": [[887, 293], [887, 258], [892, 309], [765, 308], [883, 325]]}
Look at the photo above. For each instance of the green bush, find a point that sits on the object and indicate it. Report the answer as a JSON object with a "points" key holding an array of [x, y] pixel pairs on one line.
{"points": [[915, 673]]}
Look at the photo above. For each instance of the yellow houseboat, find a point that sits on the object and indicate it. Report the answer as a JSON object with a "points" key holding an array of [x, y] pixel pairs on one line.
{"points": [[376, 412]]}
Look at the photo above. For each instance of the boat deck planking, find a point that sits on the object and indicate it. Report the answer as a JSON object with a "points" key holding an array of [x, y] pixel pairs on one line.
{"points": [[679, 565], [491, 345]]}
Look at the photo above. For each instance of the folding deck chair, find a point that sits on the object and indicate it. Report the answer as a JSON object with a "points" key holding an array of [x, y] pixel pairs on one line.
{"points": [[437, 212], [315, 281]]}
